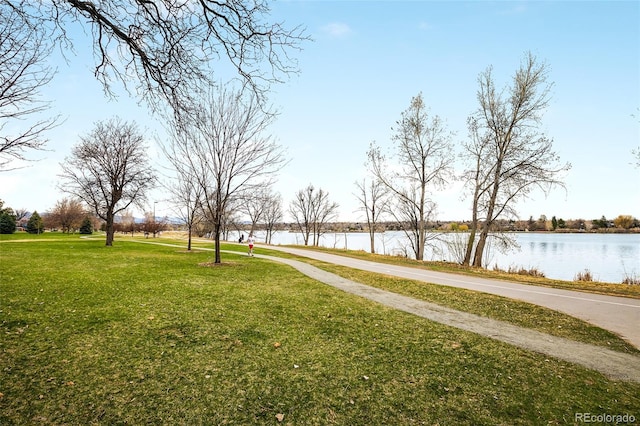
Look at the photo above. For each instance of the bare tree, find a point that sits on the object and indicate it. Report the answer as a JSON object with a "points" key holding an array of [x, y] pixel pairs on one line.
{"points": [[187, 199], [108, 170], [312, 210], [23, 52], [186, 192], [21, 215], [67, 214], [125, 222], [265, 206], [152, 225], [254, 206], [325, 211], [423, 163], [273, 214], [509, 155], [170, 47], [227, 152], [374, 201], [301, 209], [476, 150]]}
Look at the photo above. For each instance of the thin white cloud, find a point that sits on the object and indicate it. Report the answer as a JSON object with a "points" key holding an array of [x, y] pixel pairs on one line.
{"points": [[337, 29]]}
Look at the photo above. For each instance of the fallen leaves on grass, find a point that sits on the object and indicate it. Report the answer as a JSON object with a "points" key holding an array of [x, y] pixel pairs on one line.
{"points": [[280, 417]]}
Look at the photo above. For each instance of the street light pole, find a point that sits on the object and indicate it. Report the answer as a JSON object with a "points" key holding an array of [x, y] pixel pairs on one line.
{"points": [[154, 219]]}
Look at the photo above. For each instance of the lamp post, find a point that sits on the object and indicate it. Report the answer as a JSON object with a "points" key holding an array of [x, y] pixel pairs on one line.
{"points": [[154, 219]]}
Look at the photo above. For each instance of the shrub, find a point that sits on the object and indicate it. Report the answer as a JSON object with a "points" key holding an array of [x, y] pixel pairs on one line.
{"points": [[520, 270], [632, 279], [533, 272], [584, 276]]}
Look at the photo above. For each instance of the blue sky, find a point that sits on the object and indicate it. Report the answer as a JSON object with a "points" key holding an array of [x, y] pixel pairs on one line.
{"points": [[368, 58]]}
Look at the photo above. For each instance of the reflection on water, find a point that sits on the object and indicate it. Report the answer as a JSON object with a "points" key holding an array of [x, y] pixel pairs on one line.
{"points": [[543, 246], [609, 257], [625, 250]]}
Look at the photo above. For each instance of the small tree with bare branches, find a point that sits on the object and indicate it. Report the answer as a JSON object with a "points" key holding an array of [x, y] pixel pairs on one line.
{"points": [[67, 214], [187, 196], [374, 202], [273, 214], [312, 210], [423, 163], [263, 206], [109, 171], [228, 154]]}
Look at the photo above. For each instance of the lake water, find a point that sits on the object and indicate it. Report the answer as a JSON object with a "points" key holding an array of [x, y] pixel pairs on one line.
{"points": [[609, 257]]}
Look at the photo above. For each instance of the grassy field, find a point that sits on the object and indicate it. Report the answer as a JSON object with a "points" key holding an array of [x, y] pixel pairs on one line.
{"points": [[143, 334]]}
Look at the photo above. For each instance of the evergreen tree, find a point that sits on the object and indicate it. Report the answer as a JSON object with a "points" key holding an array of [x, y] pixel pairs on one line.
{"points": [[7, 221], [600, 223], [86, 228], [35, 225]]}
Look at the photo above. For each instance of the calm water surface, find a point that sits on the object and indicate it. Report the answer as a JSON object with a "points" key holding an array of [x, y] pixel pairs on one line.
{"points": [[609, 257]]}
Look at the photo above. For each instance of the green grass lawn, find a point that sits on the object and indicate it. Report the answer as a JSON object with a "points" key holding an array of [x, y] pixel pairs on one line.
{"points": [[143, 334]]}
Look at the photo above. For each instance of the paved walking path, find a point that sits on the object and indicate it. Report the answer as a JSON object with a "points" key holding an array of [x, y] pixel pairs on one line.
{"points": [[620, 315], [614, 364]]}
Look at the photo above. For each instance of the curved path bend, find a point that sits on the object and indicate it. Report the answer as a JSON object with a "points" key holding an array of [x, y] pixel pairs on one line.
{"points": [[621, 315], [614, 364]]}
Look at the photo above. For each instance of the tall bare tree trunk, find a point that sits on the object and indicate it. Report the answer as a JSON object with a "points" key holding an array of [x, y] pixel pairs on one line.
{"points": [[372, 239], [110, 229], [484, 233], [216, 232]]}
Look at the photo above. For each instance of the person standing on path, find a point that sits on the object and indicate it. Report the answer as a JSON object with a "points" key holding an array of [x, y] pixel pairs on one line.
{"points": [[250, 241]]}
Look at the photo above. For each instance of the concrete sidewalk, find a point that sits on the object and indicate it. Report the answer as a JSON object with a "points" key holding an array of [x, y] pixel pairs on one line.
{"points": [[620, 315]]}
